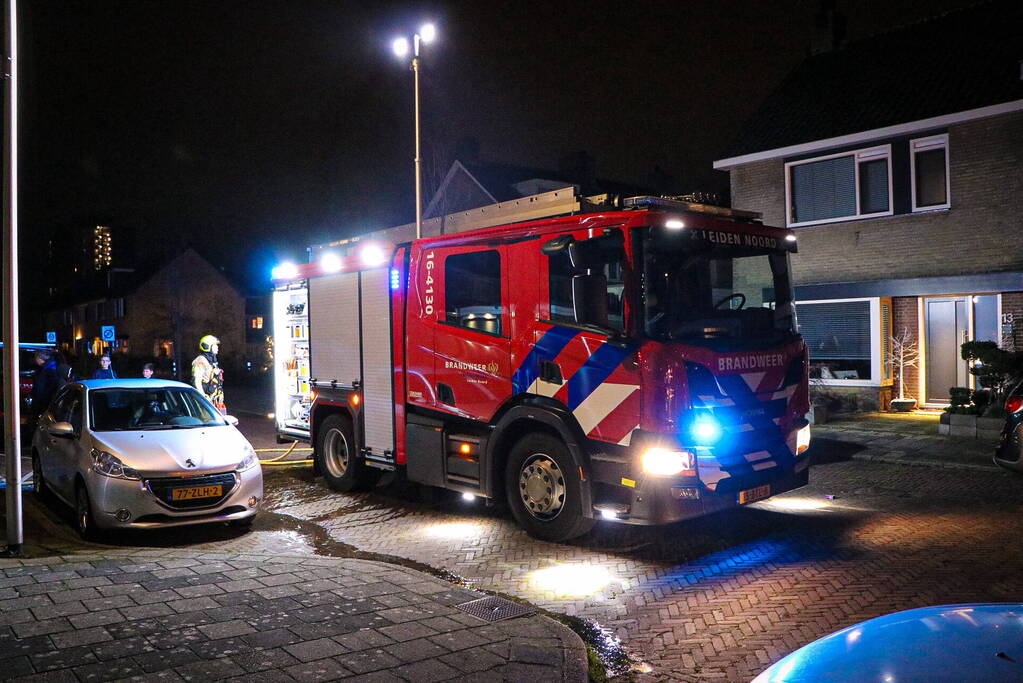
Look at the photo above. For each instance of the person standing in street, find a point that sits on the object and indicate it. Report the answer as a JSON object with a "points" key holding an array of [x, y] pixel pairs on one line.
{"points": [[105, 371], [44, 382], [207, 376]]}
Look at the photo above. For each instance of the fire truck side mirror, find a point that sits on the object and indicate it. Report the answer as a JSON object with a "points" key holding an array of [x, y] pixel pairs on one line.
{"points": [[589, 297], [557, 245]]}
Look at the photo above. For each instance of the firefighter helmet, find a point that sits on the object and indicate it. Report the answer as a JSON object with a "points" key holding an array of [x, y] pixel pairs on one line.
{"points": [[207, 342]]}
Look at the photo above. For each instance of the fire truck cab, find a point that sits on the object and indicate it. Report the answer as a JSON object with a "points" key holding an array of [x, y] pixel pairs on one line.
{"points": [[639, 364]]}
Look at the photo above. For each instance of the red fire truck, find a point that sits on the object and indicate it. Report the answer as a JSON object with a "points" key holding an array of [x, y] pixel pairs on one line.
{"points": [[636, 361]]}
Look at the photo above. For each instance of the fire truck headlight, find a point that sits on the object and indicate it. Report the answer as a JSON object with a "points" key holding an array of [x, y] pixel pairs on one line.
{"points": [[802, 439], [663, 462], [705, 430]]}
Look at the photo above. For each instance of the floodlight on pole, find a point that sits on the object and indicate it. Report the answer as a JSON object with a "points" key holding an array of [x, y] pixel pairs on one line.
{"points": [[427, 34]]}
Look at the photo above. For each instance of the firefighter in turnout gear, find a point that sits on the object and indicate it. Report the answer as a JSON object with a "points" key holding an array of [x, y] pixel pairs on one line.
{"points": [[207, 376]]}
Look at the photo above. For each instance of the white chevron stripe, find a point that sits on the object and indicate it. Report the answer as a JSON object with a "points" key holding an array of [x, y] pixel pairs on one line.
{"points": [[543, 388], [753, 379], [759, 455], [600, 403], [767, 464], [628, 437]]}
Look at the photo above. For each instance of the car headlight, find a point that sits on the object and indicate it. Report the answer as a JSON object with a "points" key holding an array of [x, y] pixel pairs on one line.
{"points": [[109, 465], [802, 439], [249, 461], [665, 462]]}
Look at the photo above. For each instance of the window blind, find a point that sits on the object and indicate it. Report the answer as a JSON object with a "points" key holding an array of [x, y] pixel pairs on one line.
{"points": [[824, 189], [838, 330]]}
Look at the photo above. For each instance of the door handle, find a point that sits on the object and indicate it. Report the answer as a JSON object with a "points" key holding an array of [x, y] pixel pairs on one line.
{"points": [[551, 372]]}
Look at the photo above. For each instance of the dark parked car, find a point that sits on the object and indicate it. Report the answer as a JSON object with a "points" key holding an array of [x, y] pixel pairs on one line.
{"points": [[1010, 447]]}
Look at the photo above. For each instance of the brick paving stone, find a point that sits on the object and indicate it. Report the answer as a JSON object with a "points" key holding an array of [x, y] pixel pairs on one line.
{"points": [[122, 647], [102, 618], [365, 661], [363, 639], [271, 639], [310, 650], [82, 636], [408, 631], [193, 604], [112, 602], [62, 658], [319, 670], [198, 591], [381, 677], [403, 614], [458, 640], [50, 677], [128, 629], [65, 609], [227, 629], [416, 650], [222, 647], [157, 609], [169, 640], [262, 660], [42, 628], [209, 670], [18, 616], [166, 659], [108, 670], [430, 671], [472, 660], [150, 597]]}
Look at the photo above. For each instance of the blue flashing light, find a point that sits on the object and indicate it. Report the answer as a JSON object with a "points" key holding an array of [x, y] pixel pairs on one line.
{"points": [[395, 278], [705, 430]]}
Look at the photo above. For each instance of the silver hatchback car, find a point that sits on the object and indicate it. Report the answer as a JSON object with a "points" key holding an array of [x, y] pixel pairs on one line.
{"points": [[144, 453]]}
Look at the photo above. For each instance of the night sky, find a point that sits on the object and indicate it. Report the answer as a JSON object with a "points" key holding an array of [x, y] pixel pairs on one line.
{"points": [[255, 128]]}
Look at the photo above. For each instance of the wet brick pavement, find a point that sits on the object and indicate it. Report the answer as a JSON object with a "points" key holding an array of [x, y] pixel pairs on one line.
{"points": [[170, 614], [725, 596]]}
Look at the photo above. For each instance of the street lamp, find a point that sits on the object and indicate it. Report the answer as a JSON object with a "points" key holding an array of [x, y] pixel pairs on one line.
{"points": [[426, 34]]}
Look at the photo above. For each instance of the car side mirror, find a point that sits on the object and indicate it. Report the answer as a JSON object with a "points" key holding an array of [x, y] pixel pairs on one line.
{"points": [[62, 430], [231, 420]]}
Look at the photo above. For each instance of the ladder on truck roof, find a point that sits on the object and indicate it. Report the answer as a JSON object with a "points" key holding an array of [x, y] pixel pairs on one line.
{"points": [[563, 202]]}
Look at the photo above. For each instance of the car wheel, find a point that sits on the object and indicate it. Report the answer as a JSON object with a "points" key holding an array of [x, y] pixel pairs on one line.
{"points": [[543, 491], [85, 520], [39, 486], [338, 459]]}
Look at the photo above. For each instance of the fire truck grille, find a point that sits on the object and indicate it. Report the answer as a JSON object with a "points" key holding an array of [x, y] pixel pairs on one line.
{"points": [[495, 609]]}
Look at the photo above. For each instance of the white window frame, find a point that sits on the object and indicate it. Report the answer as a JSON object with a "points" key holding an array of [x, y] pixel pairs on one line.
{"points": [[859, 155], [925, 145], [875, 343]]}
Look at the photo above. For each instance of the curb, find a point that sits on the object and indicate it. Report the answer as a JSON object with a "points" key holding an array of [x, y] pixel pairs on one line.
{"points": [[896, 460]]}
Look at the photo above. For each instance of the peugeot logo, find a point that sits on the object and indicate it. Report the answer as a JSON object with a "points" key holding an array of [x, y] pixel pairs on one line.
{"points": [[189, 463]]}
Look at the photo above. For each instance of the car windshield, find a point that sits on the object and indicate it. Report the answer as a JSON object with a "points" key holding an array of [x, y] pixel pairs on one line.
{"points": [[709, 291], [144, 409]]}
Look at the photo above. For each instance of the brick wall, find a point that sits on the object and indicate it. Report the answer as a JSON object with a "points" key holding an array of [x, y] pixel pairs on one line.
{"points": [[1012, 308], [906, 316], [986, 175]]}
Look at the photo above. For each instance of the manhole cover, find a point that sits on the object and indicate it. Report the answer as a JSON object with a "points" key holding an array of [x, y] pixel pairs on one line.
{"points": [[495, 609]]}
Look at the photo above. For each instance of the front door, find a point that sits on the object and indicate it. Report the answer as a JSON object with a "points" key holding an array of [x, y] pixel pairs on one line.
{"points": [[947, 327]]}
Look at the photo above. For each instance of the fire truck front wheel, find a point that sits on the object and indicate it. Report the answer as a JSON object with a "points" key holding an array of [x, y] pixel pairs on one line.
{"points": [[338, 457], [543, 491]]}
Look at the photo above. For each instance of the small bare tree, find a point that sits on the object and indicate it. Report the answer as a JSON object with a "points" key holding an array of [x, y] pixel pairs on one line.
{"points": [[904, 354]]}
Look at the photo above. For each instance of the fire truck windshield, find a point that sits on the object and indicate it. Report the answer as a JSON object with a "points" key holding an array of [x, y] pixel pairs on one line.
{"points": [[712, 293]]}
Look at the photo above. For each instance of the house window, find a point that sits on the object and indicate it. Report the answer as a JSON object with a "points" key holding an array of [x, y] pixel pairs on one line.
{"points": [[119, 307], [472, 291], [844, 340], [256, 322], [930, 173], [839, 187], [69, 317]]}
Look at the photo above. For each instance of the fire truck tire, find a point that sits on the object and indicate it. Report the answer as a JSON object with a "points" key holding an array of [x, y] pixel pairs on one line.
{"points": [[338, 459], [542, 492]]}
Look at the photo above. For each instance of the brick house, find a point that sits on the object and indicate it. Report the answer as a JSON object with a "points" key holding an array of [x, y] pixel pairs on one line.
{"points": [[898, 160], [158, 316]]}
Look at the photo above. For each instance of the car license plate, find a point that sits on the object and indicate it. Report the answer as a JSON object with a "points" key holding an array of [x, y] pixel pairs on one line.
{"points": [[754, 494], [197, 492]]}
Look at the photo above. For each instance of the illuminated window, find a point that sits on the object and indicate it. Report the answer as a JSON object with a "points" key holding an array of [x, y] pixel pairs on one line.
{"points": [[256, 322]]}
